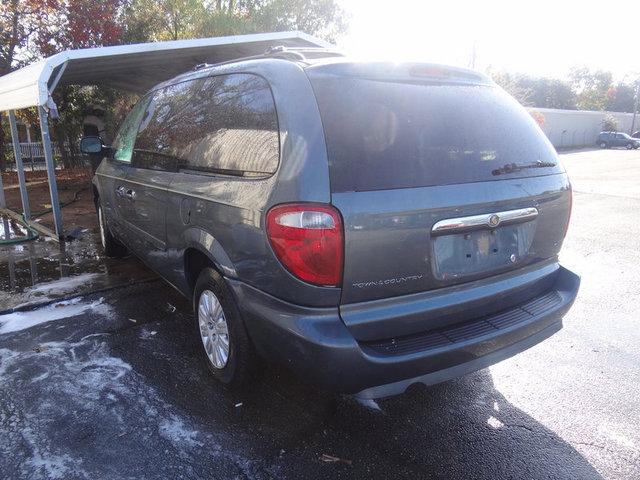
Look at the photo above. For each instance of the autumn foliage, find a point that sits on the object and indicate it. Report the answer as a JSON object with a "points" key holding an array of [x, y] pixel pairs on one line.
{"points": [[33, 29]]}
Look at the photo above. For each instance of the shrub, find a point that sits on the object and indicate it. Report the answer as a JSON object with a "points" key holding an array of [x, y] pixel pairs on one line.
{"points": [[610, 123]]}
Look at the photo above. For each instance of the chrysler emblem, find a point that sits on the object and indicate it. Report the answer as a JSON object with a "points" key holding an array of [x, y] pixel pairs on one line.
{"points": [[494, 220]]}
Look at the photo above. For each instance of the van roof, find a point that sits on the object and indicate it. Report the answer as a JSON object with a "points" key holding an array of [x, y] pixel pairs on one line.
{"points": [[401, 71], [301, 55], [319, 61]]}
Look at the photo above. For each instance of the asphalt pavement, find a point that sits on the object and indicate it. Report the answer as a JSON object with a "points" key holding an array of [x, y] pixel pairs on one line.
{"points": [[109, 385]]}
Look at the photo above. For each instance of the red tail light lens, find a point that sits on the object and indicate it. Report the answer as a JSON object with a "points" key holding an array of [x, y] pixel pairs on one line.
{"points": [[307, 238]]}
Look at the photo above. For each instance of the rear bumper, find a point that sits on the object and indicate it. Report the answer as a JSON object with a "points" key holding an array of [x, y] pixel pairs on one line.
{"points": [[316, 344]]}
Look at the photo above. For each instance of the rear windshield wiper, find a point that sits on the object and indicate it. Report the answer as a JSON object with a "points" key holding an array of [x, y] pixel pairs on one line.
{"points": [[516, 167]]}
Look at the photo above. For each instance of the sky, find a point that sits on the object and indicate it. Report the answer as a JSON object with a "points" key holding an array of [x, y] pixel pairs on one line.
{"points": [[538, 37]]}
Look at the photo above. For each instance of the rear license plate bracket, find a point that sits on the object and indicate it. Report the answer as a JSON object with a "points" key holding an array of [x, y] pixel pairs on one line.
{"points": [[479, 251]]}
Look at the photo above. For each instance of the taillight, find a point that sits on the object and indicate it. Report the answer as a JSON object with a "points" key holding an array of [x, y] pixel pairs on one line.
{"points": [[307, 238]]}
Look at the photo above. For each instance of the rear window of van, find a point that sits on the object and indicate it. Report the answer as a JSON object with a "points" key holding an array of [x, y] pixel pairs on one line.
{"points": [[387, 135]]}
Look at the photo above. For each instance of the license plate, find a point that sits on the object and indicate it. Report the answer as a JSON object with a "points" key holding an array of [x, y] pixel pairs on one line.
{"points": [[479, 251]]}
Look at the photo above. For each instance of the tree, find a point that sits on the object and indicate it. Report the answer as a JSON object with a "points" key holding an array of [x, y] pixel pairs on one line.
{"points": [[512, 85], [37, 28], [19, 21], [78, 24], [621, 98], [156, 20], [320, 17], [177, 19], [553, 93], [591, 87], [537, 92]]}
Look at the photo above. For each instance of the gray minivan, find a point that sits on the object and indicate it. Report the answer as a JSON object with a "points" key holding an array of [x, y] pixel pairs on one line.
{"points": [[368, 225]]}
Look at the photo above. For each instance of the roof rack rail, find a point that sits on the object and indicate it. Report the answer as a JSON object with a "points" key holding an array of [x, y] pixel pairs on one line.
{"points": [[295, 54], [300, 53], [200, 66]]}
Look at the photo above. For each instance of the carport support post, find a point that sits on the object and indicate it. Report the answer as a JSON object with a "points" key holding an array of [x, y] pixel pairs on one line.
{"points": [[51, 170], [26, 211], [3, 201]]}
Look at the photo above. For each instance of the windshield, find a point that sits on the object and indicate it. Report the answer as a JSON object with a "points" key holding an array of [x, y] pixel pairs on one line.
{"points": [[386, 135]]}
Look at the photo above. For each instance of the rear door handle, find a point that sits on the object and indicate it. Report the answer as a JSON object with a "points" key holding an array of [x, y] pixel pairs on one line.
{"points": [[130, 194], [120, 191], [487, 220]]}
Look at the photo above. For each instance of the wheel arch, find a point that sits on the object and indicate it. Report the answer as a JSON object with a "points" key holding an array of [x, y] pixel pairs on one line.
{"points": [[202, 250]]}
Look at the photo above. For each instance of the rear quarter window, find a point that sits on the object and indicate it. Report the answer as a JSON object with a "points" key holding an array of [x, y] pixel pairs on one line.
{"points": [[387, 135], [222, 124]]}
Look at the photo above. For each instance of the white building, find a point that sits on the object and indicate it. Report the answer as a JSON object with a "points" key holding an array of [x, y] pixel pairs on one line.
{"points": [[579, 128]]}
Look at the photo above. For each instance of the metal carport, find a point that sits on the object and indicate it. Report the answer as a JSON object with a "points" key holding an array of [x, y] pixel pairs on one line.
{"points": [[134, 68]]}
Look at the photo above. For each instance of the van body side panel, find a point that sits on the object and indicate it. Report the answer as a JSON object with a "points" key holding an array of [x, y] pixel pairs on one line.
{"points": [[232, 209], [144, 212]]}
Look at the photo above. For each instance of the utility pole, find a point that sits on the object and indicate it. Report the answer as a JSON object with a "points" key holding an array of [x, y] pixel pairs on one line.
{"points": [[474, 53], [635, 108]]}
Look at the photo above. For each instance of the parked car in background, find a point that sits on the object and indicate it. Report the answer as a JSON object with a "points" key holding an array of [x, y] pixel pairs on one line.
{"points": [[617, 139], [636, 134], [368, 225]]}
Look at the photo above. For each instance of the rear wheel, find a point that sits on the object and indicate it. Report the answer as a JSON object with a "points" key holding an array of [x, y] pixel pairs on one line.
{"points": [[629, 146], [111, 247], [223, 341], [603, 144]]}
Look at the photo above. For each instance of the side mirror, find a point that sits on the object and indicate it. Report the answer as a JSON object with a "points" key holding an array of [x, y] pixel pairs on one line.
{"points": [[91, 145]]}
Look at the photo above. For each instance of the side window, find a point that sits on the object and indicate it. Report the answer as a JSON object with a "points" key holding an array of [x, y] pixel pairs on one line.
{"points": [[224, 124], [125, 139]]}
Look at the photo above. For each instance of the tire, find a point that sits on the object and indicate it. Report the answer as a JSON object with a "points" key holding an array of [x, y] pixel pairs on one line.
{"points": [[603, 144], [112, 248], [629, 146], [215, 312]]}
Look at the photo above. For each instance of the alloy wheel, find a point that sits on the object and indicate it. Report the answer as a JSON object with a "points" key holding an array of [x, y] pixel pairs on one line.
{"points": [[214, 331]]}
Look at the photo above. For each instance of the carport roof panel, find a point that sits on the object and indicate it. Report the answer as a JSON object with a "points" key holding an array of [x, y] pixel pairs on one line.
{"points": [[136, 67]]}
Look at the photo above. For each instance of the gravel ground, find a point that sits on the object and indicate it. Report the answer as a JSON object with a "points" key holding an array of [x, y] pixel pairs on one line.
{"points": [[113, 387]]}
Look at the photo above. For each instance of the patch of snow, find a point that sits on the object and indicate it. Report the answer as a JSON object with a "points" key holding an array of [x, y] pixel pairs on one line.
{"points": [[40, 377], [84, 377], [494, 423], [6, 358], [146, 334], [174, 430], [52, 466], [52, 290], [63, 285], [369, 403], [13, 322]]}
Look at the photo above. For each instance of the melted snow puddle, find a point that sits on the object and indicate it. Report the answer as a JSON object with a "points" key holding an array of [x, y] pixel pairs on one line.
{"points": [[14, 322], [63, 285], [43, 292]]}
